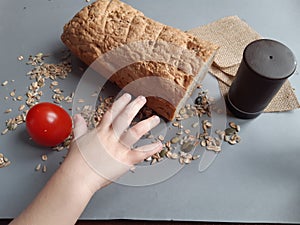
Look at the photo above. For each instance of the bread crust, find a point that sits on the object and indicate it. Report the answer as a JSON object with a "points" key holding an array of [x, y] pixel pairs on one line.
{"points": [[106, 25]]}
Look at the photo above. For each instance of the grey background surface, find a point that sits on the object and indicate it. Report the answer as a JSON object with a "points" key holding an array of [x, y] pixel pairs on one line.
{"points": [[257, 180]]}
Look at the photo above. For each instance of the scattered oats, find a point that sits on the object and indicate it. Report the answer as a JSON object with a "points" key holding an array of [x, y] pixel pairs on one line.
{"points": [[199, 86], [230, 134], [39, 55], [181, 160], [230, 131], [235, 126], [58, 148], [95, 94], [39, 74], [190, 113], [203, 143], [174, 155], [4, 83], [168, 144], [196, 143], [168, 154], [232, 125], [68, 99], [175, 140], [217, 142], [179, 132], [150, 136], [148, 159], [182, 111], [221, 134], [194, 125], [237, 138], [227, 138], [57, 91], [213, 148], [187, 146], [195, 157], [186, 160], [20, 58], [4, 162], [232, 142], [13, 93], [67, 142], [22, 107], [179, 118], [185, 116], [38, 167], [153, 161], [12, 126], [44, 157], [54, 83], [80, 101], [163, 153], [238, 128], [156, 156], [4, 131], [161, 138], [175, 124], [8, 110], [187, 131], [208, 124], [44, 170]]}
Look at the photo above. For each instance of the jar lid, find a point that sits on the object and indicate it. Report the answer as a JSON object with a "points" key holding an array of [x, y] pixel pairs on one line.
{"points": [[270, 59]]}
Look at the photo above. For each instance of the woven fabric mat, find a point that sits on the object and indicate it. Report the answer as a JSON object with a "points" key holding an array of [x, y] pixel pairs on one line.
{"points": [[233, 35]]}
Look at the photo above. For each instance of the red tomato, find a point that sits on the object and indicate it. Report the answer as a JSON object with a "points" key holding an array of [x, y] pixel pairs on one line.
{"points": [[48, 124]]}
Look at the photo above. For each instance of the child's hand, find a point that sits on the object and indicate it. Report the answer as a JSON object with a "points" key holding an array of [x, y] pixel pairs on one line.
{"points": [[108, 149]]}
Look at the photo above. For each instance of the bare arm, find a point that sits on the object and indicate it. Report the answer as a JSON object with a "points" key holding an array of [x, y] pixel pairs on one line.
{"points": [[69, 190], [63, 198]]}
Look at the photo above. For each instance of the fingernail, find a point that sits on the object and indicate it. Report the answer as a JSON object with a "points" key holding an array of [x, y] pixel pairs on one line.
{"points": [[155, 120], [126, 95], [142, 99], [157, 144]]}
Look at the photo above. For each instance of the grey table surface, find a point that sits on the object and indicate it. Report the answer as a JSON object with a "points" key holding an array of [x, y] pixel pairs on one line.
{"points": [[257, 180]]}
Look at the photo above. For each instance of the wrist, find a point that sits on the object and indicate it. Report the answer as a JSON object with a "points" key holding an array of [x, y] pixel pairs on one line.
{"points": [[78, 171]]}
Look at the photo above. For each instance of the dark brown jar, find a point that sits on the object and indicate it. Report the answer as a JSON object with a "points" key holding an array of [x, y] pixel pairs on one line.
{"points": [[265, 66]]}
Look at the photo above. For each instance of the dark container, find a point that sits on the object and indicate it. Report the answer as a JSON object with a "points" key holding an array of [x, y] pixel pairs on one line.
{"points": [[265, 66]]}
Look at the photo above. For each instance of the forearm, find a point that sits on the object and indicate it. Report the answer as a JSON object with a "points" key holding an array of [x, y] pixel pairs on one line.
{"points": [[67, 193], [64, 197]]}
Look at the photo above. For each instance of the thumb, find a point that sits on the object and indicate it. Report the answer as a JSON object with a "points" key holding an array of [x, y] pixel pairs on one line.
{"points": [[80, 127]]}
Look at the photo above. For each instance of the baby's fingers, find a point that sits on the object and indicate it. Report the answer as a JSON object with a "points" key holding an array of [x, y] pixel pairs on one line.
{"points": [[137, 131], [123, 120], [115, 110], [139, 154]]}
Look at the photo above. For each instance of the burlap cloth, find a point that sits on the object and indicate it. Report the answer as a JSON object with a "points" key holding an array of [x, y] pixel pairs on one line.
{"points": [[233, 35]]}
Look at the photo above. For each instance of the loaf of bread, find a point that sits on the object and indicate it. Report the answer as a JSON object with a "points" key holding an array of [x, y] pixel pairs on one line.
{"points": [[165, 63]]}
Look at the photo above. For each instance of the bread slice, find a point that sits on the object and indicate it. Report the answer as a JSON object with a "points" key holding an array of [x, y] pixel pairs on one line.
{"points": [[160, 62]]}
